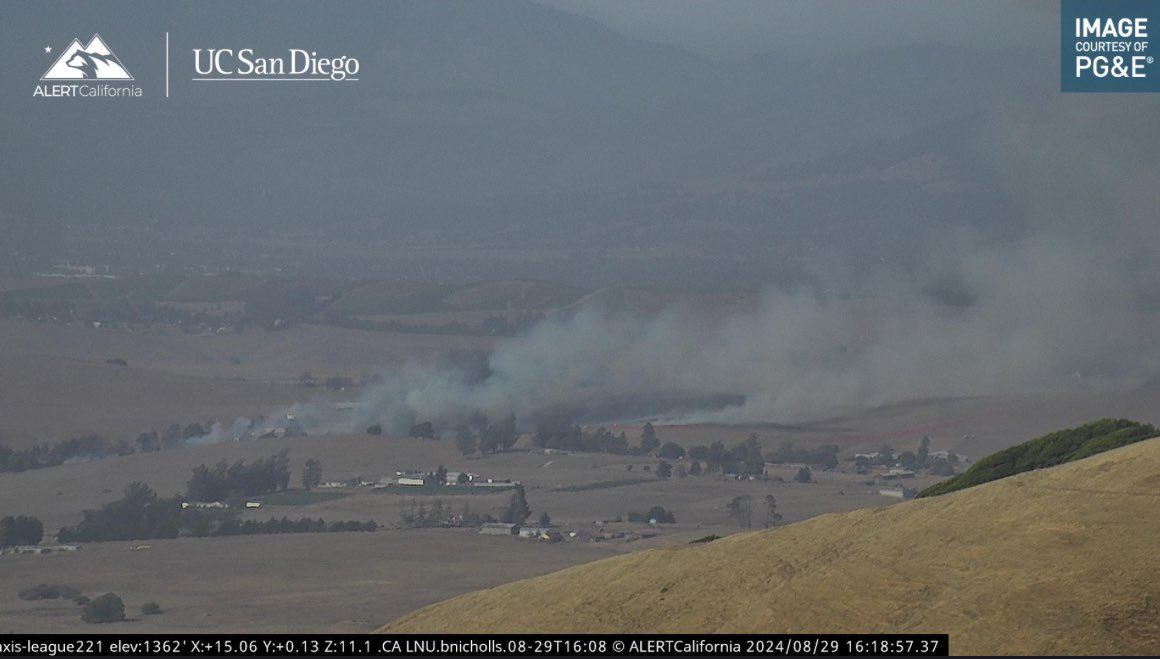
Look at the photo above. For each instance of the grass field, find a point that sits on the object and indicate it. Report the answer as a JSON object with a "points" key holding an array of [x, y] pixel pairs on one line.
{"points": [[298, 498], [55, 384], [1059, 561]]}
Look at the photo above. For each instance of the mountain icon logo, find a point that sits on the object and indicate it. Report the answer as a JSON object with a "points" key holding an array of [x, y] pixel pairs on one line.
{"points": [[94, 61]]}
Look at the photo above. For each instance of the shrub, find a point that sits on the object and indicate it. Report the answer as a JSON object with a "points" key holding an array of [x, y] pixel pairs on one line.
{"points": [[106, 608], [1047, 451], [21, 530], [151, 608]]}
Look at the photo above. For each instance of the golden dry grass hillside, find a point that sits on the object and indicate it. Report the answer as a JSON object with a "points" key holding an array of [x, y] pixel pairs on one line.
{"points": [[1061, 561]]}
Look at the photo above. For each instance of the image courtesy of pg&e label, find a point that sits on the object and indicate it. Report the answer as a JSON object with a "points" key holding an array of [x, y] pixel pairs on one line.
{"points": [[1105, 47]]}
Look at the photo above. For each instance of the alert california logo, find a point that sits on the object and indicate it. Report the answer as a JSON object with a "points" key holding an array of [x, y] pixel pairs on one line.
{"points": [[91, 70]]}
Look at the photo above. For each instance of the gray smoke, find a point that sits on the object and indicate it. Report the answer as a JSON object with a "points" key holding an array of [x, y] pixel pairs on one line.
{"points": [[1064, 303], [1045, 316]]}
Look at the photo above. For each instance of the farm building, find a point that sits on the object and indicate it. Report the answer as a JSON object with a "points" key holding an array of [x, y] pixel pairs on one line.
{"points": [[495, 528]]}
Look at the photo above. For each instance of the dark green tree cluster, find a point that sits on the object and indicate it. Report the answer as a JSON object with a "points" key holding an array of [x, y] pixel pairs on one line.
{"points": [[141, 515], [479, 434], [561, 434], [224, 480], [664, 470], [424, 430], [822, 456], [518, 510], [744, 459], [104, 608], [311, 474], [417, 514], [232, 525], [648, 439], [20, 530], [741, 510], [1048, 451], [95, 447], [661, 515], [88, 447]]}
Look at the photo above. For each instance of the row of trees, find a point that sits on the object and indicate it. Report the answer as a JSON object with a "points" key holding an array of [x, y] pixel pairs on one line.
{"points": [[141, 514], [661, 515], [563, 435], [741, 510], [418, 515], [93, 447], [239, 479], [478, 434]]}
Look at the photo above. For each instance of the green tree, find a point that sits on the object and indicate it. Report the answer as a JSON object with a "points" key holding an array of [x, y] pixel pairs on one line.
{"points": [[695, 468], [672, 451], [752, 463], [375, 430], [311, 474], [151, 608], [661, 515], [545, 519], [518, 510], [648, 439], [106, 608], [885, 455], [804, 475], [908, 460], [772, 517], [440, 475], [20, 530], [465, 439], [741, 510], [922, 458], [664, 470], [425, 430]]}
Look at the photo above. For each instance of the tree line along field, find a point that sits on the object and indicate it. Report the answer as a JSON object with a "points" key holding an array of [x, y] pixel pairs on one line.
{"points": [[699, 505]]}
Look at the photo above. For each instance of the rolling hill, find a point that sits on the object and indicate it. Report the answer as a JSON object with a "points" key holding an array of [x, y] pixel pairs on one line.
{"points": [[1058, 561]]}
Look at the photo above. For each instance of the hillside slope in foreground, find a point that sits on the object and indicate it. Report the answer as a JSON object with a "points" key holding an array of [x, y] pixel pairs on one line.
{"points": [[1057, 561]]}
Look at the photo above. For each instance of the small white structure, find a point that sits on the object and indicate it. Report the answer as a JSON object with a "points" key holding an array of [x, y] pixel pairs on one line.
{"points": [[410, 481], [202, 505], [253, 504], [892, 493]]}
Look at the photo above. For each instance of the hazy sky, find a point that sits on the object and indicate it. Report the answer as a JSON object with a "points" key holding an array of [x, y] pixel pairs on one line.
{"points": [[740, 27]]}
